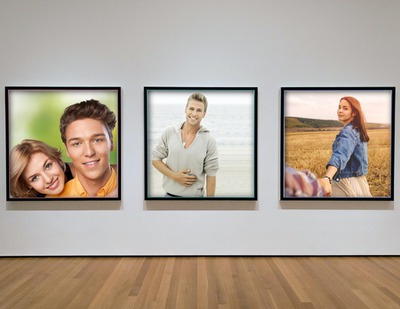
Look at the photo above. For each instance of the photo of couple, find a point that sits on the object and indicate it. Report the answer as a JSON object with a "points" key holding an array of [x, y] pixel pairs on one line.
{"points": [[63, 143]]}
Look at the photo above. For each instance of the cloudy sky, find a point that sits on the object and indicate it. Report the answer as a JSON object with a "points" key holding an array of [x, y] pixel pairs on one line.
{"points": [[322, 104]]}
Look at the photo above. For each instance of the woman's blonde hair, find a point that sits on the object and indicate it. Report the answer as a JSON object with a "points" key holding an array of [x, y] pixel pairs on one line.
{"points": [[19, 159]]}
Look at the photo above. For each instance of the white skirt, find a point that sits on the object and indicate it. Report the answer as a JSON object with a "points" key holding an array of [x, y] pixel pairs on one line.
{"points": [[353, 187]]}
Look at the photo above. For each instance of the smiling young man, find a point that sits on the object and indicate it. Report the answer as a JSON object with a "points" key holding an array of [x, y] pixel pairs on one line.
{"points": [[86, 130], [187, 155]]}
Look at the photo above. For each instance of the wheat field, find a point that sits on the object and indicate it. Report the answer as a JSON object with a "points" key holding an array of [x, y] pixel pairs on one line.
{"points": [[312, 151]]}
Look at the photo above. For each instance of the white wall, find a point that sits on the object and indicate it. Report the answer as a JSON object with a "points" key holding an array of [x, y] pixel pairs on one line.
{"points": [[263, 43]]}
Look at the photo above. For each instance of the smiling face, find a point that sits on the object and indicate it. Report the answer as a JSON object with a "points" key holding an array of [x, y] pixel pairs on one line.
{"points": [[44, 174], [345, 112], [88, 145], [194, 113]]}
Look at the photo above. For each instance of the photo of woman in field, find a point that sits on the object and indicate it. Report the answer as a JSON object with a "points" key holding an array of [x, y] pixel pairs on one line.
{"points": [[359, 123]]}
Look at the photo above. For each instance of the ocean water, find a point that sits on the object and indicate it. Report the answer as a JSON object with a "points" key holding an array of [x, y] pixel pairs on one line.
{"points": [[232, 125]]}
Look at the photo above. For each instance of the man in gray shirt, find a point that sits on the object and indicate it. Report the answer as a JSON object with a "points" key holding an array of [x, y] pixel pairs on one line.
{"points": [[187, 155]]}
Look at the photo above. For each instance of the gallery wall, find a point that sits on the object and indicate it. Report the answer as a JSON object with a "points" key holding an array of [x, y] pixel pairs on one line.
{"points": [[266, 44]]}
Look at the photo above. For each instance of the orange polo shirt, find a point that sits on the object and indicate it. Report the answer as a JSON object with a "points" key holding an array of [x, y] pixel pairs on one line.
{"points": [[74, 188]]}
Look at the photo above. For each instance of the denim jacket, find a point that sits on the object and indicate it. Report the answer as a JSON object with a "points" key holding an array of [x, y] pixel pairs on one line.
{"points": [[349, 154]]}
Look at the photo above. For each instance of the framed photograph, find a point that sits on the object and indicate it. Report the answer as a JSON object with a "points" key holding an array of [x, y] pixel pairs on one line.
{"points": [[337, 143], [200, 143], [63, 143]]}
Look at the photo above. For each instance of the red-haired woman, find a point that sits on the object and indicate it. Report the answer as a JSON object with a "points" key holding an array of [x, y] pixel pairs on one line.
{"points": [[348, 164]]}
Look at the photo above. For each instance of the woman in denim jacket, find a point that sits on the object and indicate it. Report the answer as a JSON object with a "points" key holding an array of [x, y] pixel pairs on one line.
{"points": [[348, 164]]}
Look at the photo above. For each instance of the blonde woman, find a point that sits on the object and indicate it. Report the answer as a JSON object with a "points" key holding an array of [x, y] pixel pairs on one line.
{"points": [[37, 170]]}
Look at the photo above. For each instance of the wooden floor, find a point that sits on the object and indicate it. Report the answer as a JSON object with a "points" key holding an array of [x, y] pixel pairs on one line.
{"points": [[200, 282]]}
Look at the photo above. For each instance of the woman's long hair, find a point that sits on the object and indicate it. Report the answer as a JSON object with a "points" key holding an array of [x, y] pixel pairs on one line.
{"points": [[20, 157], [358, 120]]}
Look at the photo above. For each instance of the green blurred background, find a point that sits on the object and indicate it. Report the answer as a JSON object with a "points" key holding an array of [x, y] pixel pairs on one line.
{"points": [[35, 114]]}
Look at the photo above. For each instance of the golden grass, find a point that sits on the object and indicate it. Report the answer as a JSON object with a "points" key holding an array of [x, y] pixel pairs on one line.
{"points": [[312, 150]]}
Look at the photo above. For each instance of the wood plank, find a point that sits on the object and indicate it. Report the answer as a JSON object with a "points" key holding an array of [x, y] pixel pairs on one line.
{"points": [[200, 282]]}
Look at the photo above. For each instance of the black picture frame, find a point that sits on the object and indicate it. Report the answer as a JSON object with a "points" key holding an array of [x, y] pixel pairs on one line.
{"points": [[309, 126], [235, 133], [33, 112]]}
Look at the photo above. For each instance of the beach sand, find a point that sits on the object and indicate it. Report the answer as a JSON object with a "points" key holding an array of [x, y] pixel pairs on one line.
{"points": [[235, 176]]}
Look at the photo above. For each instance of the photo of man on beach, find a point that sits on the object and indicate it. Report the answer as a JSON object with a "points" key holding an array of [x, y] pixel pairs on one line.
{"points": [[200, 143]]}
